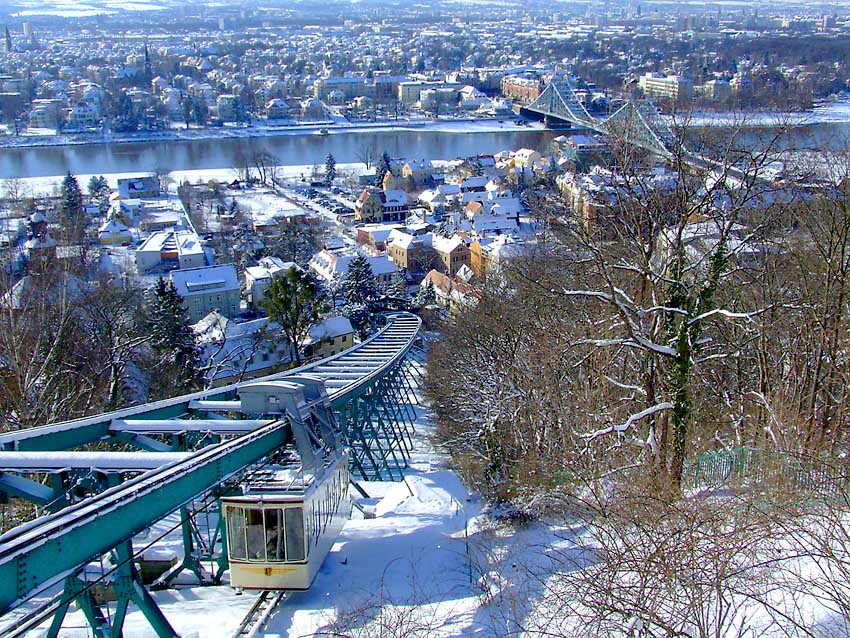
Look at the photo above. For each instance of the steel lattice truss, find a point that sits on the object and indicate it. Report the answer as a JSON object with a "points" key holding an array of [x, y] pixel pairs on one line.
{"points": [[636, 123]]}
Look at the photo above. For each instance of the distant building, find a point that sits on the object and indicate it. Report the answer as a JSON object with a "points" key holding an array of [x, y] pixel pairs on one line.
{"points": [[234, 351], [135, 187], [717, 90], [332, 267], [522, 88], [209, 288], [258, 278], [170, 249], [229, 108], [673, 87], [452, 253], [328, 337], [114, 232], [374, 205]]}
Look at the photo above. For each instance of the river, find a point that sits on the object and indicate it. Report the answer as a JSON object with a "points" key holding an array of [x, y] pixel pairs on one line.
{"points": [[289, 148], [296, 147]]}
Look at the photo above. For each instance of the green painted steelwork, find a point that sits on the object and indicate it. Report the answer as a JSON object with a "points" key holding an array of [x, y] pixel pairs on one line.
{"points": [[80, 533], [373, 411], [73, 434]]}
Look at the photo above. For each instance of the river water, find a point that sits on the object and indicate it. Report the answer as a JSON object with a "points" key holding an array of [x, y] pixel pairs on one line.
{"points": [[304, 148], [290, 148]]}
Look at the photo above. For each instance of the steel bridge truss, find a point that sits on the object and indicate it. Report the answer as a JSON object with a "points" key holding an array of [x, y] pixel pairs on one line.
{"points": [[194, 449], [636, 123]]}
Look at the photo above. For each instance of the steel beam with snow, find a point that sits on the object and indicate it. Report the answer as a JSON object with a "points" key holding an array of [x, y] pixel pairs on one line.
{"points": [[176, 426], [107, 461], [33, 555], [71, 434]]}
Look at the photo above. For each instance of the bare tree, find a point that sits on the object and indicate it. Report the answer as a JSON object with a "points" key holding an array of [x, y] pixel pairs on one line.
{"points": [[15, 190], [40, 351], [110, 318]]}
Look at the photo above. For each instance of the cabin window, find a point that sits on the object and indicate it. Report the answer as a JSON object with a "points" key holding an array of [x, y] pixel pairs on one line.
{"points": [[294, 518], [274, 535], [255, 534], [236, 532]]}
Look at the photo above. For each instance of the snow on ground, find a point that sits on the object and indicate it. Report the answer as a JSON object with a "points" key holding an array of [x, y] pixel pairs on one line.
{"points": [[426, 563]]}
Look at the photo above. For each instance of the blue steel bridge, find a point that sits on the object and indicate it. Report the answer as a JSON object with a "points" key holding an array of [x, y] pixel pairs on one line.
{"points": [[185, 453], [636, 123]]}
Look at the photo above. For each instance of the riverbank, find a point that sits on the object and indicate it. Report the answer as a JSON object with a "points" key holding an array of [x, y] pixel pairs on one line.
{"points": [[177, 134]]}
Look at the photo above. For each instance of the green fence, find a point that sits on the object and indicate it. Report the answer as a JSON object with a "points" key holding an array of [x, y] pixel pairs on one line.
{"points": [[750, 466]]}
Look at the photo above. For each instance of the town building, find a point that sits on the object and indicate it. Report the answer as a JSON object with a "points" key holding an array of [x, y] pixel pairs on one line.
{"points": [[170, 249], [258, 278], [208, 288], [673, 87]]}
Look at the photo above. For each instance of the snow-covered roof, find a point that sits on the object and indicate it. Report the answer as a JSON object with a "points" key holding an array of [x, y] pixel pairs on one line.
{"points": [[268, 267], [40, 242], [446, 244], [204, 280], [113, 227], [330, 266], [395, 197], [183, 242], [330, 328]]}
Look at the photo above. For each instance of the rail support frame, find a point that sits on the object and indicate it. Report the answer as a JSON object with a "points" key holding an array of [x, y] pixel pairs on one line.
{"points": [[128, 588]]}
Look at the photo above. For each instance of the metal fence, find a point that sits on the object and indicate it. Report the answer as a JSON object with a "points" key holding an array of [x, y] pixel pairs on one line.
{"points": [[752, 467]]}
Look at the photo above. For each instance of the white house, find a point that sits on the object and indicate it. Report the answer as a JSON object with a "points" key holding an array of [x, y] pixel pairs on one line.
{"points": [[206, 289], [258, 278], [331, 267], [114, 232], [170, 249]]}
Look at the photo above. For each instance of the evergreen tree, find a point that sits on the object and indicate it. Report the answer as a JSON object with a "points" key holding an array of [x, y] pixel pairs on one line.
{"points": [[175, 366], [359, 294], [71, 213], [98, 190], [98, 187], [360, 317], [360, 286], [330, 170], [382, 168], [426, 296], [294, 301], [397, 292]]}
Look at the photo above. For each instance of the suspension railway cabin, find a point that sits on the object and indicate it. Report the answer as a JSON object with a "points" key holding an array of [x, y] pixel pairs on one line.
{"points": [[281, 530]]}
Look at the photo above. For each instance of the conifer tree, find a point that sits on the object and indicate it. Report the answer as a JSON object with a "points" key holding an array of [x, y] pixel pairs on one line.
{"points": [[360, 286], [359, 294], [330, 170], [172, 342], [71, 213], [382, 168], [295, 302], [426, 296], [397, 292]]}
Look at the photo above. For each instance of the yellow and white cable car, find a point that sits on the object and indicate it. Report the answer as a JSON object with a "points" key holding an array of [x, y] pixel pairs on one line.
{"points": [[282, 527], [278, 538]]}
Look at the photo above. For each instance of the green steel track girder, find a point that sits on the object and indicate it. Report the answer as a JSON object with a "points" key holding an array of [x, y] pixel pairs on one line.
{"points": [[89, 529], [73, 434]]}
